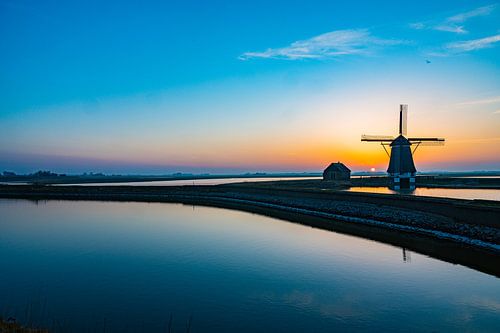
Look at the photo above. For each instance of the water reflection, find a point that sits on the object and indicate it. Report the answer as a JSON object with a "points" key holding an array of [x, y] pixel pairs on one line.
{"points": [[485, 194], [130, 266], [187, 182], [406, 255]]}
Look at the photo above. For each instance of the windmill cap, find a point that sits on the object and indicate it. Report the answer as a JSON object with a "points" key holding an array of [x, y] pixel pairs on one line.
{"points": [[400, 141]]}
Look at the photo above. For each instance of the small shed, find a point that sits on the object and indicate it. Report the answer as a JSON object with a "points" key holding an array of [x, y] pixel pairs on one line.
{"points": [[337, 171]]}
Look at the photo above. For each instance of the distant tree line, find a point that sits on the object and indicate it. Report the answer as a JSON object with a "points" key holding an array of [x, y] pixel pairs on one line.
{"points": [[42, 174], [38, 174]]}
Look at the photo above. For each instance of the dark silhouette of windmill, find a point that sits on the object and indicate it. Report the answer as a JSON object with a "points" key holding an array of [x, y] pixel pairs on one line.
{"points": [[401, 166]]}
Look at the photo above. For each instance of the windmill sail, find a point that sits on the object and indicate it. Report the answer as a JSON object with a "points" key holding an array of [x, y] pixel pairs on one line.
{"points": [[377, 138], [427, 141], [403, 117]]}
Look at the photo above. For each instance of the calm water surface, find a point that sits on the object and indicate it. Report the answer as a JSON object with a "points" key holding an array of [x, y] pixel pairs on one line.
{"points": [[183, 182], [96, 266], [484, 194]]}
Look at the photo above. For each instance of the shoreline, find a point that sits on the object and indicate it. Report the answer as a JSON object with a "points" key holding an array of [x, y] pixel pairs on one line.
{"points": [[415, 230], [309, 179], [481, 259]]}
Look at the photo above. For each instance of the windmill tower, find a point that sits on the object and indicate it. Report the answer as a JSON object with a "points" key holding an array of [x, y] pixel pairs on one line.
{"points": [[401, 166]]}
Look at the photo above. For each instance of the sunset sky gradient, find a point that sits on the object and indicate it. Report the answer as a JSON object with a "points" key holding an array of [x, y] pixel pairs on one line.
{"points": [[227, 86]]}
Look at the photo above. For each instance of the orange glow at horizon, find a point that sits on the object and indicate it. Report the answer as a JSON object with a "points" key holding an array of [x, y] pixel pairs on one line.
{"points": [[319, 130], [302, 151]]}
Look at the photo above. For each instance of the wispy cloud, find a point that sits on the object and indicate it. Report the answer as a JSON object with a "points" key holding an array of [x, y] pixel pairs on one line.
{"points": [[454, 23], [481, 11], [497, 111], [451, 28], [418, 25], [331, 44], [473, 44], [491, 100]]}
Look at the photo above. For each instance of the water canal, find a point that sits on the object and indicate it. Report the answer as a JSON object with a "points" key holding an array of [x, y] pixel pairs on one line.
{"points": [[84, 266]]}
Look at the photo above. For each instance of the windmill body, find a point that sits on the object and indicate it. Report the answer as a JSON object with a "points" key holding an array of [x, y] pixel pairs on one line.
{"points": [[401, 166], [401, 161]]}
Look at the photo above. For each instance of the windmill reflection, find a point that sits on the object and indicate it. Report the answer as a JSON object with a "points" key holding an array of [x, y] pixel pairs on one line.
{"points": [[406, 255]]}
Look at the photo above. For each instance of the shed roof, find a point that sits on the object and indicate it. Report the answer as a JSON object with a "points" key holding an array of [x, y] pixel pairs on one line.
{"points": [[337, 167]]}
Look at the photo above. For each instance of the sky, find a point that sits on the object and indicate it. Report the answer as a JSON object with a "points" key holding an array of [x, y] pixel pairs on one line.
{"points": [[156, 87]]}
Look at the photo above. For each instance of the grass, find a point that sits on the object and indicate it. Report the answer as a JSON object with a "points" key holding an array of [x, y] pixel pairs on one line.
{"points": [[10, 325]]}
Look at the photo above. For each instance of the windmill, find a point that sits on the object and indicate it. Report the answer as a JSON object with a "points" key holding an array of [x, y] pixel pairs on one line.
{"points": [[401, 167]]}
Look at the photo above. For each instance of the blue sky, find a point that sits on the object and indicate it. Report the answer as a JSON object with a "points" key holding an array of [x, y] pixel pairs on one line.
{"points": [[244, 86]]}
